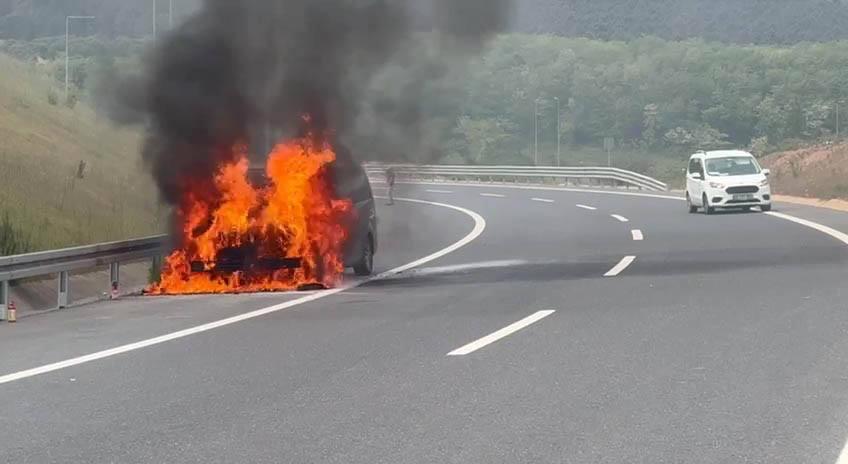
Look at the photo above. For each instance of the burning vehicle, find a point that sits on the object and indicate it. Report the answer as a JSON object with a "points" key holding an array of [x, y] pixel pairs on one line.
{"points": [[350, 181], [296, 220], [295, 210]]}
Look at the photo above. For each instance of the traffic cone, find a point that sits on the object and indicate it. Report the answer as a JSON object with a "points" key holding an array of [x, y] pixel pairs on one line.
{"points": [[12, 312]]}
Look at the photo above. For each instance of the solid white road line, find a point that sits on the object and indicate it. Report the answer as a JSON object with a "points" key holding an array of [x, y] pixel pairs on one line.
{"points": [[841, 236], [843, 456], [637, 235], [495, 336], [438, 191], [542, 200], [621, 266], [590, 208], [479, 227], [492, 195], [620, 218]]}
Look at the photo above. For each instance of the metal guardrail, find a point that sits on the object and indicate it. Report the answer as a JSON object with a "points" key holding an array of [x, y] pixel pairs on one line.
{"points": [[535, 174], [62, 262]]}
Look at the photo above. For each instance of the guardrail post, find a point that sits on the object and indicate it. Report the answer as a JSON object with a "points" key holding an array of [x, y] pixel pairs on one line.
{"points": [[64, 283], [114, 274], [4, 299], [114, 279]]}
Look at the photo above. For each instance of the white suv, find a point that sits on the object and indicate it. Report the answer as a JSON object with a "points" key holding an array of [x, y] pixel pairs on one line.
{"points": [[726, 179]]}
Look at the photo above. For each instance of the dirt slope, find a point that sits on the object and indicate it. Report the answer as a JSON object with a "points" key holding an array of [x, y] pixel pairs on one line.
{"points": [[819, 171]]}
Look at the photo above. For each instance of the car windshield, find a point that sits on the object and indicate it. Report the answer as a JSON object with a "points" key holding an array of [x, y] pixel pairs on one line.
{"points": [[732, 166]]}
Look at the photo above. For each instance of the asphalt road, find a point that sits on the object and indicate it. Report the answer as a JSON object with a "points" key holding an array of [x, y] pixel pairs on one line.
{"points": [[720, 339]]}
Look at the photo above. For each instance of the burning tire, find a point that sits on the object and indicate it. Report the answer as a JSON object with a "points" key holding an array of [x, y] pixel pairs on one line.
{"points": [[365, 265]]}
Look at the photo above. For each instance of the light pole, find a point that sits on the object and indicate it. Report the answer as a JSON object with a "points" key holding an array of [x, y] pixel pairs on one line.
{"points": [[156, 17], [559, 131], [536, 133], [67, 49]]}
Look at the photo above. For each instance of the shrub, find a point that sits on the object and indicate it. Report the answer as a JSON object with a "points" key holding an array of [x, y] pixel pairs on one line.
{"points": [[71, 101], [13, 241]]}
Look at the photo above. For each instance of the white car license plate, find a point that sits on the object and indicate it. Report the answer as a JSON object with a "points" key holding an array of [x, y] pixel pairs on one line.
{"points": [[743, 196]]}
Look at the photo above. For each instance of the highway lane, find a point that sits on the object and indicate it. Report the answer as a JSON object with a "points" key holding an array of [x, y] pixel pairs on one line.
{"points": [[407, 234], [694, 353]]}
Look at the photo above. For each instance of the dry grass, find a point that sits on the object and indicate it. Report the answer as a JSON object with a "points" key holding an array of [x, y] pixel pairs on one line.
{"points": [[41, 146]]}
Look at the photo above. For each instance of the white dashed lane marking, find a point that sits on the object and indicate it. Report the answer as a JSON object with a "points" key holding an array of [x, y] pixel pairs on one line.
{"points": [[492, 195], [637, 235], [590, 208], [506, 331], [620, 218], [621, 266], [542, 200]]}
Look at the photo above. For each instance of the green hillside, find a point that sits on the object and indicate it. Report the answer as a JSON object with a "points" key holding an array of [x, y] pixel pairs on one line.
{"points": [[736, 21], [42, 145]]}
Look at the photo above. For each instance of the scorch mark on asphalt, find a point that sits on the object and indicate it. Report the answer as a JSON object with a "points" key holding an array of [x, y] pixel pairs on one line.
{"points": [[505, 332]]}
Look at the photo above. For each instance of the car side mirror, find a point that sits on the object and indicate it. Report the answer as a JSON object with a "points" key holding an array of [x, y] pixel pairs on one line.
{"points": [[766, 172], [697, 176]]}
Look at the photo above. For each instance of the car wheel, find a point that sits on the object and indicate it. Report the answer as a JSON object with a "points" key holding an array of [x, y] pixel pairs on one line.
{"points": [[692, 207], [365, 266], [707, 208], [765, 208]]}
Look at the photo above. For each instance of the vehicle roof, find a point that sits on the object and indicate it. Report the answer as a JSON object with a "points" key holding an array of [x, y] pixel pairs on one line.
{"points": [[721, 154]]}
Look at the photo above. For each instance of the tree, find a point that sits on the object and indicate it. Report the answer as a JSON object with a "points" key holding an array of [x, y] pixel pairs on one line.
{"points": [[650, 124], [79, 75], [700, 137], [481, 136]]}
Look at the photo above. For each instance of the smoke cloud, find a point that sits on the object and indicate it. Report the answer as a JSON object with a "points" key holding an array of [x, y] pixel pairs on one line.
{"points": [[355, 67]]}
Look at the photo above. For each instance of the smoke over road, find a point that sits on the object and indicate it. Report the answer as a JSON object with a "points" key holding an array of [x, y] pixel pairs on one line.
{"points": [[352, 65]]}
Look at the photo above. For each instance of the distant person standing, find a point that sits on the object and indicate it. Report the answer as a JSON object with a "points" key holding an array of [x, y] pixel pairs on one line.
{"points": [[390, 180]]}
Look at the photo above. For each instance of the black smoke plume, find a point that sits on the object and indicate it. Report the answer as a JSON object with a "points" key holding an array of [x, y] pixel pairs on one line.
{"points": [[355, 67]]}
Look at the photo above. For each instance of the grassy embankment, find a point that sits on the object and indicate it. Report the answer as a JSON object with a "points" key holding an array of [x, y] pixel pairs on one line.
{"points": [[41, 146]]}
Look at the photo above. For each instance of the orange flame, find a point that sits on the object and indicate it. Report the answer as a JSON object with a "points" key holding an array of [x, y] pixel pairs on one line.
{"points": [[295, 216]]}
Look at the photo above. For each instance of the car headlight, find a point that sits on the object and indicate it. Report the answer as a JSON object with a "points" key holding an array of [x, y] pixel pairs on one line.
{"points": [[716, 185], [764, 183]]}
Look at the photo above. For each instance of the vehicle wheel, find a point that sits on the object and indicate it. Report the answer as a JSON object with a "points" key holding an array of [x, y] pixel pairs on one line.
{"points": [[692, 208], [365, 266], [707, 208], [765, 208]]}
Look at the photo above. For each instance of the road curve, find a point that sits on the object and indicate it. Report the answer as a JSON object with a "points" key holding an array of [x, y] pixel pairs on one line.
{"points": [[720, 339]]}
